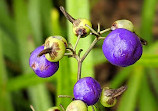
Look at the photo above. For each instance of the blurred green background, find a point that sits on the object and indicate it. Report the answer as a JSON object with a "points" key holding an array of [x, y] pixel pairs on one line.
{"points": [[24, 25]]}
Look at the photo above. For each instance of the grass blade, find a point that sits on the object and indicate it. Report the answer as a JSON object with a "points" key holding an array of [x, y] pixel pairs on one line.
{"points": [[147, 99], [129, 98], [80, 9], [38, 94], [5, 99], [148, 13]]}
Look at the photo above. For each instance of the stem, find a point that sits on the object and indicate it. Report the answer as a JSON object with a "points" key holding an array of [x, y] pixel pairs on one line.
{"points": [[68, 16], [98, 27], [79, 52], [32, 108], [65, 96], [106, 30], [93, 108], [102, 38], [78, 38], [62, 107], [79, 70], [89, 49], [68, 54], [93, 31]]}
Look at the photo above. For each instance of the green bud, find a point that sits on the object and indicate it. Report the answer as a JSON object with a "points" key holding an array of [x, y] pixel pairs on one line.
{"points": [[77, 105], [53, 109], [108, 96], [79, 27], [126, 24], [106, 99], [57, 46]]}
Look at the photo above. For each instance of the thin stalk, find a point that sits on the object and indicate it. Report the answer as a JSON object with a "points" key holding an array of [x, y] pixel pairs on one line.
{"points": [[98, 27], [89, 49], [32, 108], [62, 107], [93, 108], [93, 31], [78, 38], [79, 70], [65, 96], [106, 30]]}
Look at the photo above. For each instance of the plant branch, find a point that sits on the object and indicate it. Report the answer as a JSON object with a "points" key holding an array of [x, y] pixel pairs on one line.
{"points": [[93, 31], [106, 30], [78, 38], [93, 108], [65, 96], [98, 27], [89, 49], [79, 70], [62, 107], [32, 108]]}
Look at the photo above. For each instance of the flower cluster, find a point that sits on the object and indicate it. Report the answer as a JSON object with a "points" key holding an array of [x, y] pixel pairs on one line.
{"points": [[122, 47]]}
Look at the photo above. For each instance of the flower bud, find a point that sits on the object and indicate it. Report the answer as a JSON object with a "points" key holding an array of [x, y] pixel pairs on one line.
{"points": [[79, 27], [108, 96], [106, 100], [126, 24], [57, 46], [77, 105]]}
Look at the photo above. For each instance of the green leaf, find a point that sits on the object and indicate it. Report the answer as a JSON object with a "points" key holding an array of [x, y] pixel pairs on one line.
{"points": [[31, 79], [45, 9], [80, 9], [147, 100], [5, 98], [6, 22], [148, 13], [9, 47], [153, 75], [38, 94], [35, 19], [129, 98], [121, 77]]}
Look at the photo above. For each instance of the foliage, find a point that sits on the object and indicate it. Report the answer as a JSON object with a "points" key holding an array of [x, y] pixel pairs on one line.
{"points": [[25, 27]]}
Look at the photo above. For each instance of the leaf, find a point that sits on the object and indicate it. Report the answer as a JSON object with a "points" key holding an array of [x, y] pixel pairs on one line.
{"points": [[129, 98], [148, 13], [5, 98], [147, 100], [38, 94], [121, 77]]}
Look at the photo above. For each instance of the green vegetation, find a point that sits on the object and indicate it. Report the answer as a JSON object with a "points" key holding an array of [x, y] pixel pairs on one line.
{"points": [[25, 24]]}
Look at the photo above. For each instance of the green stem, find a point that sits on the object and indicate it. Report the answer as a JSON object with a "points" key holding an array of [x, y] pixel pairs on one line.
{"points": [[79, 70], [78, 38], [106, 30], [89, 49]]}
